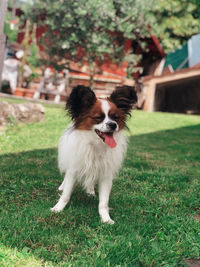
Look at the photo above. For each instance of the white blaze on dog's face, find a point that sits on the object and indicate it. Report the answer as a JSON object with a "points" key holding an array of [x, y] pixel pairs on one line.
{"points": [[103, 116], [109, 125]]}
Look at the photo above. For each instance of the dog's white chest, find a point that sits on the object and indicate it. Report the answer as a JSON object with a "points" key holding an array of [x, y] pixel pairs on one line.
{"points": [[86, 155]]}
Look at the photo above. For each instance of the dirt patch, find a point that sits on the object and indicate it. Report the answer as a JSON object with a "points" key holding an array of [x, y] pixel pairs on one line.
{"points": [[197, 218], [193, 263]]}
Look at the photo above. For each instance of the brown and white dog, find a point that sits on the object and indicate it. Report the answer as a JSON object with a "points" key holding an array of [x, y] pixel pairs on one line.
{"points": [[92, 148]]}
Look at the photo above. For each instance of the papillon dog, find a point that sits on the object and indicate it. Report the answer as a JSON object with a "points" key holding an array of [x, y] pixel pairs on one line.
{"points": [[92, 148]]}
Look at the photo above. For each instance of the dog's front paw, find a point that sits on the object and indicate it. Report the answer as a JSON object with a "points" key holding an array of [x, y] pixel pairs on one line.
{"points": [[105, 218], [58, 207], [108, 221], [104, 214], [55, 209]]}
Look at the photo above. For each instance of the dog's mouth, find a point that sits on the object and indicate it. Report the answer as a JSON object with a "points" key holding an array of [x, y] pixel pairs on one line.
{"points": [[107, 138]]}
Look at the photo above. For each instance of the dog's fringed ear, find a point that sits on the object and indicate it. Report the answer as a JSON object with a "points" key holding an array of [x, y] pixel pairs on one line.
{"points": [[124, 97], [80, 100]]}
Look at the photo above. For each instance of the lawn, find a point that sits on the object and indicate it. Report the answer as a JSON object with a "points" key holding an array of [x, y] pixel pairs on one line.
{"points": [[155, 201]]}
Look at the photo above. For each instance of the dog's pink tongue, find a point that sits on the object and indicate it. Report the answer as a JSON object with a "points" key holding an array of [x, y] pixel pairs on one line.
{"points": [[109, 140]]}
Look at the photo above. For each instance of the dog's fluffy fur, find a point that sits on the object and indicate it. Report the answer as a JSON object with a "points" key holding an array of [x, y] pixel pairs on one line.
{"points": [[92, 148]]}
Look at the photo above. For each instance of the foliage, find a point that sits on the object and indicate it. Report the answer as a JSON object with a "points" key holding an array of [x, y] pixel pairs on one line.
{"points": [[12, 34], [33, 59], [176, 21], [155, 199], [31, 56], [83, 30]]}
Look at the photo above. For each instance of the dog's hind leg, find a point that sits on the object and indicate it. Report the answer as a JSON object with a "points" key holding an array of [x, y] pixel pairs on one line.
{"points": [[61, 187], [105, 186], [69, 182]]}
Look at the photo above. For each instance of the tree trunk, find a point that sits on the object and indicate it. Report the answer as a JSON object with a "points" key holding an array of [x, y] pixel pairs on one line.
{"points": [[3, 8], [92, 72]]}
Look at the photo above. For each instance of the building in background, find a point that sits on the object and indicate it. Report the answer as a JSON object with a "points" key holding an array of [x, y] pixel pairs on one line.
{"points": [[177, 87]]}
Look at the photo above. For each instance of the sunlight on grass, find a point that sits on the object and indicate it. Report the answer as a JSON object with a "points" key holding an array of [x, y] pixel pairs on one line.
{"points": [[11, 257], [145, 122]]}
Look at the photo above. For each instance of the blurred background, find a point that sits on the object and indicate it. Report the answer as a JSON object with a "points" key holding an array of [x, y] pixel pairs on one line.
{"points": [[48, 46]]}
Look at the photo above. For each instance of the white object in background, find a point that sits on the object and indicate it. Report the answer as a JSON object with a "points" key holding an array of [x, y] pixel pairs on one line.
{"points": [[60, 89], [47, 73], [12, 26], [27, 71], [10, 72], [19, 54]]}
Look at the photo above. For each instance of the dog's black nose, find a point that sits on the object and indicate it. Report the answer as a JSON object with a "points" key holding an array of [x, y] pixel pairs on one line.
{"points": [[112, 125]]}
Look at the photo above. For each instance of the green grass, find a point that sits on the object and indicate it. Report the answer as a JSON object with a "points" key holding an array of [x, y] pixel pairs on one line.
{"points": [[155, 200]]}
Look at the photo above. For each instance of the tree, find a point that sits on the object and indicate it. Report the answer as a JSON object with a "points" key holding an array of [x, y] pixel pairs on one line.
{"points": [[175, 21], [92, 31], [12, 34]]}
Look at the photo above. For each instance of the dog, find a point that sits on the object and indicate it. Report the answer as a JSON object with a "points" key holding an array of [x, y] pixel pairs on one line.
{"points": [[92, 148]]}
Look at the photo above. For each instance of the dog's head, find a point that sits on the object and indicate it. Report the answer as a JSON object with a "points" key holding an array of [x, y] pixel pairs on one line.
{"points": [[103, 116]]}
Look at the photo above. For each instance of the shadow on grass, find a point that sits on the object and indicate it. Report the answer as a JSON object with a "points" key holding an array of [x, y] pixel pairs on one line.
{"points": [[165, 161]]}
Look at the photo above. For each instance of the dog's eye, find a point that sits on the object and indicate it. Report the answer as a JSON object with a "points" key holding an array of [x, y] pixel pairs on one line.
{"points": [[99, 117], [114, 116]]}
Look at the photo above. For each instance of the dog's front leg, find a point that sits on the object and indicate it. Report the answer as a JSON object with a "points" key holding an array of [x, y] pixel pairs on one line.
{"points": [[69, 182], [105, 186]]}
